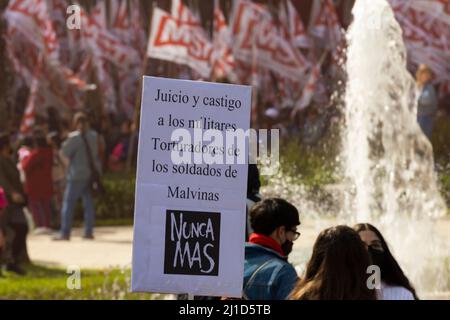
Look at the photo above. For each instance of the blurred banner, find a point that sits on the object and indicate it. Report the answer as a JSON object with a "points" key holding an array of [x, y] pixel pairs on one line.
{"points": [[273, 46]]}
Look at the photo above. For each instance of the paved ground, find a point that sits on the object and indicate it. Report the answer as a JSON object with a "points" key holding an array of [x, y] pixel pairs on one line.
{"points": [[111, 248]]}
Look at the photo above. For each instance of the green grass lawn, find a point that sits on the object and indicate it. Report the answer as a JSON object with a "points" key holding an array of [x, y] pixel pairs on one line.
{"points": [[51, 283]]}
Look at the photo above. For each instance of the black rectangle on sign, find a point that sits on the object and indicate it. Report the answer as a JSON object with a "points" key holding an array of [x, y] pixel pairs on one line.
{"points": [[192, 243]]}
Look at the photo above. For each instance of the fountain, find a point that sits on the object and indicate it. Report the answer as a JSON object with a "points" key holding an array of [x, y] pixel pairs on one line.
{"points": [[387, 162]]}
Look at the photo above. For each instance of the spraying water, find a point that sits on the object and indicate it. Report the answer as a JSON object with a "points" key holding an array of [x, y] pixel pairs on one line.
{"points": [[387, 162], [388, 158]]}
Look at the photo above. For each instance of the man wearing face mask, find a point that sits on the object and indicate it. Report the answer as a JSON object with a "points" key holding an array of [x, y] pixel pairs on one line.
{"points": [[267, 273]]}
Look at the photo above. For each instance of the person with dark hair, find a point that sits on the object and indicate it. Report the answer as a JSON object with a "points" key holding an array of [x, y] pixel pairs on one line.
{"points": [[394, 284], [267, 273], [14, 217], [82, 150], [38, 181], [337, 269]]}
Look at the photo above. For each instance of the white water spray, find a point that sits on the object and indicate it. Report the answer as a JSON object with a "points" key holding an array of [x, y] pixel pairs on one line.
{"points": [[388, 166], [388, 160]]}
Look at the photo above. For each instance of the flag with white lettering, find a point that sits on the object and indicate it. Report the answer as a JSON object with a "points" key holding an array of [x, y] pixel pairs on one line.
{"points": [[181, 42]]}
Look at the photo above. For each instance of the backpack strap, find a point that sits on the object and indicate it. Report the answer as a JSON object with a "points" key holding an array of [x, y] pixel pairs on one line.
{"points": [[94, 171]]}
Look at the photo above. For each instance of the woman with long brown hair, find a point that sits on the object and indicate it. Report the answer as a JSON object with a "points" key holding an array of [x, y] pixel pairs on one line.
{"points": [[337, 269], [394, 284]]}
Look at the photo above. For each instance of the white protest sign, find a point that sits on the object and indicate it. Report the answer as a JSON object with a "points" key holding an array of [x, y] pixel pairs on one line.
{"points": [[189, 225]]}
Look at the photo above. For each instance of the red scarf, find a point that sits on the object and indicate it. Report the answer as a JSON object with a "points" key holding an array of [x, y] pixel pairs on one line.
{"points": [[266, 241]]}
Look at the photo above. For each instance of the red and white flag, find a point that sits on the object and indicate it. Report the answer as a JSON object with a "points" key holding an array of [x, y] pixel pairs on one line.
{"points": [[253, 24], [426, 32], [98, 14], [223, 62], [180, 41], [309, 89], [128, 28], [434, 9], [105, 45], [121, 25], [106, 84], [29, 116], [325, 26], [293, 25], [139, 41], [93, 27], [108, 48], [32, 18], [58, 10], [57, 84], [129, 83], [184, 14]]}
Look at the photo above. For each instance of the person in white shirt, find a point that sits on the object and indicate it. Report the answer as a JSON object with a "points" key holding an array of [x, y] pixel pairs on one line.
{"points": [[394, 284]]}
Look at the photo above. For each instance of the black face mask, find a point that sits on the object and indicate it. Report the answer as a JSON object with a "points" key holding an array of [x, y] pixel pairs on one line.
{"points": [[378, 257], [287, 247]]}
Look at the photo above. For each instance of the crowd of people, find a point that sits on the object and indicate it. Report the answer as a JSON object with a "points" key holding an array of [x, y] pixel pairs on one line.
{"points": [[43, 174], [312, 123], [340, 263], [341, 256], [337, 270], [46, 172]]}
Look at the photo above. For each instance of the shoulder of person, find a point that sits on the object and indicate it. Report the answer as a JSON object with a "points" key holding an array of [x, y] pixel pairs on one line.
{"points": [[73, 134], [256, 249], [396, 293], [288, 270], [280, 269]]}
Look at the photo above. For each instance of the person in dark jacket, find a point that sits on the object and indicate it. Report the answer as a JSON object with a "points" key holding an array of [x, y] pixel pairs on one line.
{"points": [[15, 219], [267, 273]]}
